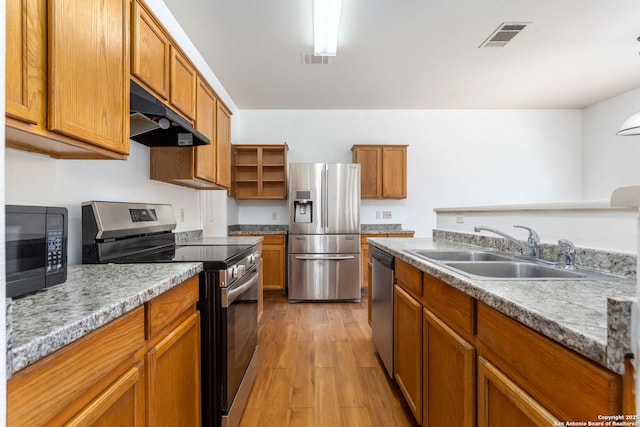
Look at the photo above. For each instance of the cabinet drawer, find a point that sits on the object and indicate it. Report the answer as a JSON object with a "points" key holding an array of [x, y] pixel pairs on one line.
{"points": [[567, 384], [273, 239], [71, 377], [164, 309], [409, 278], [456, 308]]}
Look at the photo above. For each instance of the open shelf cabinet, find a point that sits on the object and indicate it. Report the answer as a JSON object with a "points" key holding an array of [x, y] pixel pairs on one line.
{"points": [[260, 171]]}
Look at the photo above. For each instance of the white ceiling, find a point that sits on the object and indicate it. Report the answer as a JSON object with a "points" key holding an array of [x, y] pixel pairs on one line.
{"points": [[419, 54]]}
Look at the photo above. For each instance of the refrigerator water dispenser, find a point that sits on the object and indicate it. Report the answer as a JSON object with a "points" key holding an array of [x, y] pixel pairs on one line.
{"points": [[302, 207]]}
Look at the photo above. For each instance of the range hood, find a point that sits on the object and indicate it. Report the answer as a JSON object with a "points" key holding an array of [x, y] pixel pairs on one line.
{"points": [[156, 125]]}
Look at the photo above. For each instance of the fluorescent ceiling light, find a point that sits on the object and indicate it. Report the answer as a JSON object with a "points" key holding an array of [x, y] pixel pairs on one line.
{"points": [[326, 25], [631, 126]]}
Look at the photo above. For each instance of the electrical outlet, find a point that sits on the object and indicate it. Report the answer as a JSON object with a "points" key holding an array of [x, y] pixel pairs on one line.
{"points": [[181, 214], [386, 215], [378, 214], [459, 219], [274, 215]]}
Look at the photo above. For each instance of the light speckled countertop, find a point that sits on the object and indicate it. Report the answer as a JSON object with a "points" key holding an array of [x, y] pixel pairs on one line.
{"points": [[92, 296], [589, 317], [244, 229]]}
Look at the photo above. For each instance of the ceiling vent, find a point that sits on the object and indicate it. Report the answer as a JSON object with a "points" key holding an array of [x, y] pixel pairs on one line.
{"points": [[311, 59], [504, 34]]}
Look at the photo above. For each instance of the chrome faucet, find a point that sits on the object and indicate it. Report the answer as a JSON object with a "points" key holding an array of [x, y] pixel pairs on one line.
{"points": [[569, 251], [532, 248]]}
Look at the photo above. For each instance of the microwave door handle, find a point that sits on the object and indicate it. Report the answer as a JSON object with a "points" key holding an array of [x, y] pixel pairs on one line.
{"points": [[228, 297]]}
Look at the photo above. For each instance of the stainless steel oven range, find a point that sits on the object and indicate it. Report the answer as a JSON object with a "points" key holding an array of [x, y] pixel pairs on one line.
{"points": [[115, 232]]}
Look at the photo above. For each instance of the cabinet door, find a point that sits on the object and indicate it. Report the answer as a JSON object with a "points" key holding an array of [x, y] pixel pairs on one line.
{"points": [[273, 256], [26, 56], [173, 379], [449, 376], [205, 161], [182, 92], [501, 403], [89, 81], [407, 349], [121, 404], [150, 52], [370, 159], [394, 172], [223, 146]]}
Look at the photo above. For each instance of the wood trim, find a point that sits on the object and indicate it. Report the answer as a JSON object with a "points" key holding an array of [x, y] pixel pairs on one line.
{"points": [[456, 308], [163, 310], [409, 278]]}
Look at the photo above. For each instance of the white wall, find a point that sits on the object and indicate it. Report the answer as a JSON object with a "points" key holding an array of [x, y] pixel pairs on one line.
{"points": [[609, 161], [40, 180], [455, 157]]}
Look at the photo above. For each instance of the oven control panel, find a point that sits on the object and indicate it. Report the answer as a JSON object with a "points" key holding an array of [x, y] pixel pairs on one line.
{"points": [[239, 269]]}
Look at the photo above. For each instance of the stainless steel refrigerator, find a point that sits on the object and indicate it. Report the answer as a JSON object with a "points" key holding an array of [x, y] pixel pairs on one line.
{"points": [[324, 232]]}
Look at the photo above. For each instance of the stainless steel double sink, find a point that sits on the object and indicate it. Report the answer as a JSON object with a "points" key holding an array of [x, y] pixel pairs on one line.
{"points": [[488, 265]]}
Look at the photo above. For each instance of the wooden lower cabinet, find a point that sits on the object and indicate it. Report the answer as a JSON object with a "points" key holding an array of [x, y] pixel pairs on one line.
{"points": [[501, 403], [449, 376], [122, 403], [140, 369], [273, 257], [174, 377], [462, 363], [407, 349]]}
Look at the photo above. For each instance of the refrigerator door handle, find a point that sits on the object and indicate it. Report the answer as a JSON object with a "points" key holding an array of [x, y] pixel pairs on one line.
{"points": [[325, 199], [325, 258]]}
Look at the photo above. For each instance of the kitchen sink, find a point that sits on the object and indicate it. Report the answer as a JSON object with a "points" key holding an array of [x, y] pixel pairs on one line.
{"points": [[488, 265], [441, 255], [515, 270]]}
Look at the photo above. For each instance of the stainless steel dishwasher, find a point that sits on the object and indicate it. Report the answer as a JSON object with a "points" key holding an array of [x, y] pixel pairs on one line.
{"points": [[382, 278]]}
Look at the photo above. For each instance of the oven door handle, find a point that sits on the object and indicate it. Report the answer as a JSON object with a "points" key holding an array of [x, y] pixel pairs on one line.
{"points": [[229, 296], [325, 258]]}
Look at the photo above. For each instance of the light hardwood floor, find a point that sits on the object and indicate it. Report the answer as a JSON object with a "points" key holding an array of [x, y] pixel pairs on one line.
{"points": [[318, 368]]}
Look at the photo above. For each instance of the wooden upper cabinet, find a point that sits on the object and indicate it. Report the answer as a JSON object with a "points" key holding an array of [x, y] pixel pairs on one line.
{"points": [[150, 56], [65, 98], [205, 155], [223, 145], [26, 60], [89, 81], [383, 171], [183, 84], [158, 63]]}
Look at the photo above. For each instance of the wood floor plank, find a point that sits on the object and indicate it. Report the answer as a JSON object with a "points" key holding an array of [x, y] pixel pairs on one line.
{"points": [[318, 368], [327, 406]]}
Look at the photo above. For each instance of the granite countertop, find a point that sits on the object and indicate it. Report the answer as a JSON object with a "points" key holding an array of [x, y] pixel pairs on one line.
{"points": [[589, 317], [384, 229], [92, 296], [245, 229], [223, 241]]}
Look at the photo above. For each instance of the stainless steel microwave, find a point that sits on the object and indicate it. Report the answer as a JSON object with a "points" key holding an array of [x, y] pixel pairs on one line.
{"points": [[36, 248]]}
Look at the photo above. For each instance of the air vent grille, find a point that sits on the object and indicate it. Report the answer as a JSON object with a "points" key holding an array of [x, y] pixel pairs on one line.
{"points": [[311, 59], [504, 34]]}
